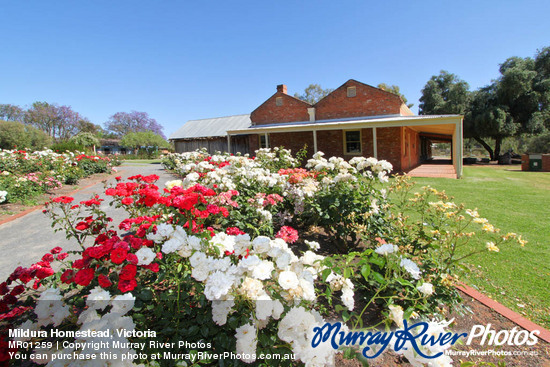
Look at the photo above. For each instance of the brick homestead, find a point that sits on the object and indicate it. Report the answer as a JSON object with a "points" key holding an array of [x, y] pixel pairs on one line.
{"points": [[355, 119]]}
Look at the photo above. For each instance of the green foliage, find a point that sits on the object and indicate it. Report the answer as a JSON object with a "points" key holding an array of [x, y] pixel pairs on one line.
{"points": [[85, 139], [67, 146], [143, 139], [516, 103], [539, 144], [16, 135], [444, 94], [313, 94]]}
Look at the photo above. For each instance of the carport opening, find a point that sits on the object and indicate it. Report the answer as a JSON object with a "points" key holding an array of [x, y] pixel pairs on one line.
{"points": [[436, 149]]}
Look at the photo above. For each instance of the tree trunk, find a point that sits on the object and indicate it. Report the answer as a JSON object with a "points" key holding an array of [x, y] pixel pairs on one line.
{"points": [[487, 147], [498, 142]]}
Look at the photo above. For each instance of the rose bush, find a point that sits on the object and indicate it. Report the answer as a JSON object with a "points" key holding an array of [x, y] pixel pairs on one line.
{"points": [[24, 175], [223, 255]]}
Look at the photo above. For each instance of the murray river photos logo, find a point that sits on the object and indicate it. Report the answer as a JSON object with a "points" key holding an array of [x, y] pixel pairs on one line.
{"points": [[416, 336]]}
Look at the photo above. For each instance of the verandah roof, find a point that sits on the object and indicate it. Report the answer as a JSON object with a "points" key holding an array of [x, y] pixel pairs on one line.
{"points": [[450, 125]]}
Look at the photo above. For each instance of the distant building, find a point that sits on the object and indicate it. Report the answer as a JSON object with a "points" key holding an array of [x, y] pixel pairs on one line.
{"points": [[112, 146], [212, 135]]}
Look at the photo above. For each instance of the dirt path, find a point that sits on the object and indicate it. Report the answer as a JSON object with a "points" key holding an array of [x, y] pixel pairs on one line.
{"points": [[25, 240]]}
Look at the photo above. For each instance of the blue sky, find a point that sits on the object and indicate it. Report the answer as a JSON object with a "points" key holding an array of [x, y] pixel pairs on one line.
{"points": [[182, 60]]}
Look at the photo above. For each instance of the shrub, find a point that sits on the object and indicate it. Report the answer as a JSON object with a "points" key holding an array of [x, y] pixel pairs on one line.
{"points": [[17, 135]]}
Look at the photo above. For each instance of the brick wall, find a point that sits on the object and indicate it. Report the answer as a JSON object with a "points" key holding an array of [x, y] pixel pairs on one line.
{"points": [[525, 162], [369, 101], [294, 141], [388, 143], [545, 162], [253, 143], [330, 142], [292, 109]]}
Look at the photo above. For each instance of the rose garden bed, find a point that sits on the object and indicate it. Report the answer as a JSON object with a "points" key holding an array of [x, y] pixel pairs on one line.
{"points": [[226, 255]]}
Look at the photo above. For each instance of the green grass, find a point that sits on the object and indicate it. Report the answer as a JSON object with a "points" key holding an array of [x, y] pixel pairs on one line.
{"points": [[513, 201]]}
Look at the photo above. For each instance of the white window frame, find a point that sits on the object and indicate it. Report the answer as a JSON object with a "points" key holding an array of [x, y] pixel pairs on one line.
{"points": [[265, 143]]}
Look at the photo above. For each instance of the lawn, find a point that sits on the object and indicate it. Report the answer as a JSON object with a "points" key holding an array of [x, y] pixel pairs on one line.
{"points": [[513, 201]]}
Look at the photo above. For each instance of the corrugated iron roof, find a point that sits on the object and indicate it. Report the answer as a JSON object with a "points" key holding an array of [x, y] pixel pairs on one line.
{"points": [[367, 121], [217, 126]]}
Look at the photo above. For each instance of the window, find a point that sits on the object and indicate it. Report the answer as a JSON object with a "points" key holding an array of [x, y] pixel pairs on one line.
{"points": [[264, 141], [279, 101], [352, 92], [352, 142]]}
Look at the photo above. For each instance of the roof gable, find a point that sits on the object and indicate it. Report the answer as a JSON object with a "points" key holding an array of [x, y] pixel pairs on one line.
{"points": [[290, 109], [368, 101]]}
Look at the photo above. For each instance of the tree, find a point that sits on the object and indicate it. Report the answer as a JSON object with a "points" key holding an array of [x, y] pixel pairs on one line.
{"points": [[123, 123], [395, 90], [146, 139], [313, 94], [10, 112], [515, 104], [59, 122], [444, 94], [14, 134], [486, 118], [85, 126], [85, 139], [539, 144]]}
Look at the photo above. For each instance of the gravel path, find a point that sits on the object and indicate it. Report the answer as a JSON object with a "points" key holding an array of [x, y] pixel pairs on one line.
{"points": [[25, 240]]}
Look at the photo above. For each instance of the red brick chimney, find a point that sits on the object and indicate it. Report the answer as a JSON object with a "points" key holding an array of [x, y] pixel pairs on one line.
{"points": [[281, 88]]}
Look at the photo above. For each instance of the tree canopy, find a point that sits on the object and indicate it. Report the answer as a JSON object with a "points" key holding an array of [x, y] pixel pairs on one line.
{"points": [[516, 103], [123, 123], [14, 135], [86, 139], [10, 112], [444, 94], [313, 94], [395, 90], [143, 139], [59, 122]]}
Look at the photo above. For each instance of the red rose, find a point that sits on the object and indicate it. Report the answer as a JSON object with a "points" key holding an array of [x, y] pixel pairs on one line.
{"points": [[56, 250], [233, 231], [17, 290], [63, 199], [48, 258], [62, 256], [126, 224], [154, 267], [10, 299], [4, 288], [82, 226], [128, 272], [84, 276], [132, 258], [127, 285], [118, 255], [44, 272], [104, 281], [25, 276], [127, 201], [67, 277]]}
